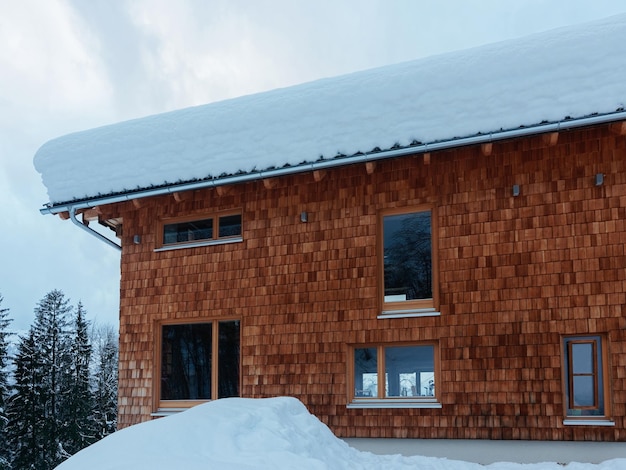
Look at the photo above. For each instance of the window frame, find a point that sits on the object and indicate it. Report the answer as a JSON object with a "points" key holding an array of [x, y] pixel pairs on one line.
{"points": [[575, 414], [416, 307], [158, 403], [215, 240], [381, 401]]}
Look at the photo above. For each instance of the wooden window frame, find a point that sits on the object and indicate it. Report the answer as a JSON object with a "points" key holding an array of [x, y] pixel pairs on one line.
{"points": [[381, 401], [215, 240], [600, 376], [416, 307], [159, 404]]}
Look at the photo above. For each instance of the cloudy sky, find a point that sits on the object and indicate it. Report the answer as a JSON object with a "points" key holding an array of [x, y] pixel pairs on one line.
{"points": [[68, 65]]}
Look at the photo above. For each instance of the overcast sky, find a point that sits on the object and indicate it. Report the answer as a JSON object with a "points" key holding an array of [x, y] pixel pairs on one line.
{"points": [[69, 65]]}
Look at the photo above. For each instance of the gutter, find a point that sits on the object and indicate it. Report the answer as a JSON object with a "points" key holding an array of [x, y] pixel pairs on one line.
{"points": [[72, 207], [91, 231]]}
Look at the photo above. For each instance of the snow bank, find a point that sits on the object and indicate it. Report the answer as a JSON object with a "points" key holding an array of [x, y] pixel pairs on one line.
{"points": [[246, 434], [570, 72]]}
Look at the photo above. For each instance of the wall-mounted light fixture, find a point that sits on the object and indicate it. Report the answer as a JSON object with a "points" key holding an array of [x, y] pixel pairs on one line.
{"points": [[304, 217], [515, 190], [137, 239], [599, 179]]}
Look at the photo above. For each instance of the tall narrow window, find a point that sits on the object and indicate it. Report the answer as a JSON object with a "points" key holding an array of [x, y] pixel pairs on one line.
{"points": [[199, 361], [585, 382], [407, 260]]}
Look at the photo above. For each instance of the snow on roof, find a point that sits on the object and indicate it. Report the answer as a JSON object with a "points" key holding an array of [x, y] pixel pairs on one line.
{"points": [[265, 433], [567, 73]]}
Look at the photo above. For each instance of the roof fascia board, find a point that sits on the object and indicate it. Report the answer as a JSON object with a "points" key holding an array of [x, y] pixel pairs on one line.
{"points": [[336, 162]]}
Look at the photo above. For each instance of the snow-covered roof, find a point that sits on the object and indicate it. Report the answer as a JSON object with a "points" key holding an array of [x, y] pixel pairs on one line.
{"points": [[564, 74]]}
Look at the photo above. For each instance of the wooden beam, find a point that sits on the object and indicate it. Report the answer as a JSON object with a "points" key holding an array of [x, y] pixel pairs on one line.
{"points": [[318, 175], [223, 190], [136, 203], [486, 149], [64, 215], [370, 167], [270, 183], [550, 139], [427, 158], [618, 128], [91, 214], [177, 196]]}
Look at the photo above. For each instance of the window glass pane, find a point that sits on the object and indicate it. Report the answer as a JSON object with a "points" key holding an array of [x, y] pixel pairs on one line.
{"points": [[188, 231], [582, 358], [228, 359], [410, 371], [365, 373], [186, 362], [230, 226], [584, 391], [407, 256]]}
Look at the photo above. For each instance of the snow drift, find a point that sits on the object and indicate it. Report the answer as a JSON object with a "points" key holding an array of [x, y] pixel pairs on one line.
{"points": [[246, 434]]}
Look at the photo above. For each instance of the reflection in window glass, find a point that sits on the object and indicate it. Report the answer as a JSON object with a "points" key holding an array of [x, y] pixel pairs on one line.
{"points": [[228, 359], [410, 371], [365, 372], [407, 256], [188, 231], [186, 362], [230, 226]]}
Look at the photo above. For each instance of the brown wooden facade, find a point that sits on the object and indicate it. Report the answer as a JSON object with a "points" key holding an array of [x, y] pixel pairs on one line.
{"points": [[515, 274]]}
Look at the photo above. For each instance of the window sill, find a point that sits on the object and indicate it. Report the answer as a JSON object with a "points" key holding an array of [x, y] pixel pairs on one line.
{"points": [[162, 412], [413, 312], [180, 246], [392, 403], [588, 422]]}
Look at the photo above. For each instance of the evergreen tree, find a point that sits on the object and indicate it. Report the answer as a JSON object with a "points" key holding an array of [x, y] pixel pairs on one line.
{"points": [[78, 427], [4, 384], [105, 343], [51, 334], [26, 407]]}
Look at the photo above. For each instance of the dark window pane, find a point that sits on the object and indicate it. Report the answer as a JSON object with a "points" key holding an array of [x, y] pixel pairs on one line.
{"points": [[188, 231], [228, 359], [230, 226], [410, 371], [186, 362], [407, 256], [365, 372]]}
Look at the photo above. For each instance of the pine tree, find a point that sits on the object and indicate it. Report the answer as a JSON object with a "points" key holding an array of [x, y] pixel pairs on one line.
{"points": [[4, 384], [26, 407], [105, 343], [51, 333], [78, 429]]}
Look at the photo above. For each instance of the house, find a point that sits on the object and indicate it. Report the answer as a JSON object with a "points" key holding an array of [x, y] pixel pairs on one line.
{"points": [[433, 249]]}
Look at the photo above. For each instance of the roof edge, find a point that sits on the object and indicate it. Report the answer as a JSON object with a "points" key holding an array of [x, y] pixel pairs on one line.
{"points": [[78, 204]]}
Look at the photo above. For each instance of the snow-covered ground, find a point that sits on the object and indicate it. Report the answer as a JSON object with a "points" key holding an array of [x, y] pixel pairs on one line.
{"points": [[270, 433]]}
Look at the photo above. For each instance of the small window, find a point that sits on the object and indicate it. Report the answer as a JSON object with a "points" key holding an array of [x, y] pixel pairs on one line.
{"points": [[408, 265], [209, 230], [585, 377], [404, 373], [198, 362]]}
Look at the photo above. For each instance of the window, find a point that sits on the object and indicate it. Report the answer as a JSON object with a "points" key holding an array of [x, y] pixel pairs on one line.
{"points": [[198, 361], [408, 266], [585, 377], [400, 375], [221, 228]]}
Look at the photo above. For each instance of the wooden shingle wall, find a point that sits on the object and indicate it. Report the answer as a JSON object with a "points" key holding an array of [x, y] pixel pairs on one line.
{"points": [[515, 274]]}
